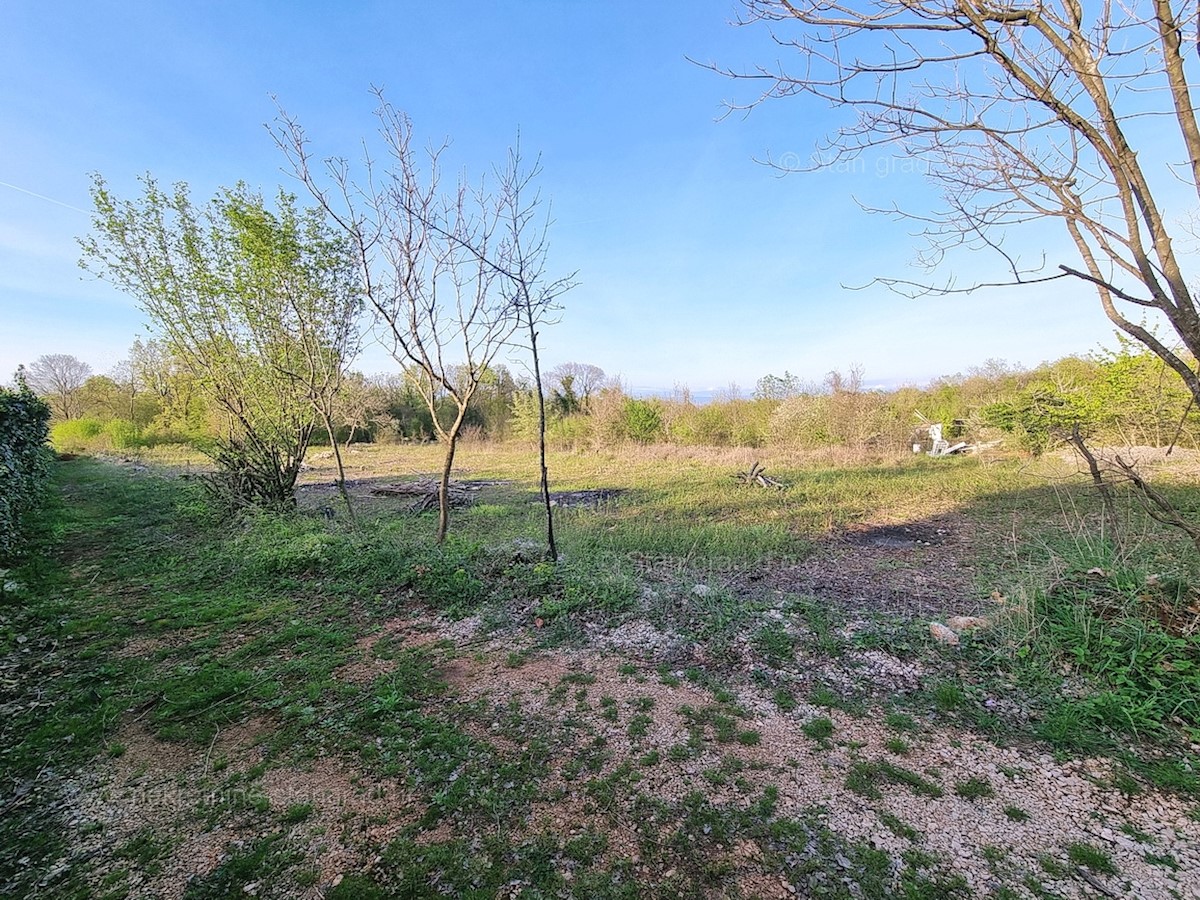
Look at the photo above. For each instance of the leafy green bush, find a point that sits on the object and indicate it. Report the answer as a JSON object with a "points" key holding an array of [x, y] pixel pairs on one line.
{"points": [[1038, 415], [569, 432], [75, 435], [728, 423], [24, 424], [641, 420], [122, 434]]}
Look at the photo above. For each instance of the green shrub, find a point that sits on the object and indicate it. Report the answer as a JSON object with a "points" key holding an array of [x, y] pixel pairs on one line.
{"points": [[641, 420], [569, 432], [121, 434], [24, 424], [75, 435], [722, 423], [80, 435]]}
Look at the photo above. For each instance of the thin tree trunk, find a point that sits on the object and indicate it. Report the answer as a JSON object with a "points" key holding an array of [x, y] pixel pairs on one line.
{"points": [[444, 485], [551, 547], [1102, 486], [341, 470]]}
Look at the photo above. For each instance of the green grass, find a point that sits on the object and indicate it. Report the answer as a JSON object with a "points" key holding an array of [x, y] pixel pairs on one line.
{"points": [[1092, 858], [775, 645], [896, 745], [974, 789], [900, 721], [297, 813], [785, 700], [898, 827], [868, 779], [819, 729], [252, 618]]}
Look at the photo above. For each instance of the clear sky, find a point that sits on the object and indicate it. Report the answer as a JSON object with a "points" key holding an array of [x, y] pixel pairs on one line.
{"points": [[696, 264]]}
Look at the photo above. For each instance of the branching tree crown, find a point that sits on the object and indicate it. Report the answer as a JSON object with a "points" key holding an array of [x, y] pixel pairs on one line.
{"points": [[59, 377], [1023, 111], [450, 275], [260, 306]]}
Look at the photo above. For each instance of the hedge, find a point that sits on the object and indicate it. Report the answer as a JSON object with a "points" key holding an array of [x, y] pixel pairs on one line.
{"points": [[24, 463]]}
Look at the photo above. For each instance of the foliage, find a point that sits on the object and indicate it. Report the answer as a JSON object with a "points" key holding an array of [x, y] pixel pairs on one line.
{"points": [[1144, 679], [75, 435], [24, 424], [84, 435], [641, 420], [1037, 416], [259, 308], [730, 423]]}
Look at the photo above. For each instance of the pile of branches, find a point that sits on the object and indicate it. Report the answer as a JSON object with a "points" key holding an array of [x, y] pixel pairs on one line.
{"points": [[426, 492], [758, 475]]}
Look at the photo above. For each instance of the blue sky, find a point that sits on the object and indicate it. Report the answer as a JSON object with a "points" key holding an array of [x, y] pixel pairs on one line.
{"points": [[696, 264]]}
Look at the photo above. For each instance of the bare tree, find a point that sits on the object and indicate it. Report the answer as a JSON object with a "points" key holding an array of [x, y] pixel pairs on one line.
{"points": [[59, 378], [523, 263], [427, 267], [124, 374], [586, 379], [1021, 112]]}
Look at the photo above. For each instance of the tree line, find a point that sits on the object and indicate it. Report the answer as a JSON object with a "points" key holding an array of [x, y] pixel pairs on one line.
{"points": [[1127, 396]]}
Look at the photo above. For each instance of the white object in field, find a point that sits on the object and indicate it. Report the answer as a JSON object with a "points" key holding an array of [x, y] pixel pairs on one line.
{"points": [[916, 448], [940, 446]]}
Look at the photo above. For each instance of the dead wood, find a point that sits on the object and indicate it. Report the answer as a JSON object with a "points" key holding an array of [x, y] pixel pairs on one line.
{"points": [[758, 475], [426, 491]]}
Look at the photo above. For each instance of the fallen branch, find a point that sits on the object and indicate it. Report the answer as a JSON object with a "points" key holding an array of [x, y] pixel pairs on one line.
{"points": [[1156, 505], [426, 492], [758, 475]]}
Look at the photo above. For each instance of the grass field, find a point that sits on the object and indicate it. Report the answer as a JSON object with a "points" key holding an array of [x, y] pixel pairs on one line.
{"points": [[720, 690]]}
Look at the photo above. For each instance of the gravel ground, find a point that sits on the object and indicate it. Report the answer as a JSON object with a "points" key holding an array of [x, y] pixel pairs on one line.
{"points": [[163, 789]]}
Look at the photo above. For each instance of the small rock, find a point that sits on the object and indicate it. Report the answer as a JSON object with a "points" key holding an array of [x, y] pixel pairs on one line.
{"points": [[942, 634], [959, 624], [701, 590]]}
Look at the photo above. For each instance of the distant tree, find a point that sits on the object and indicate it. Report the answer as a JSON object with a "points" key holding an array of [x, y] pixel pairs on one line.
{"points": [[59, 377], [359, 406], [124, 376], [492, 407], [151, 367], [163, 377], [586, 380], [103, 398], [563, 400], [778, 387], [257, 305]]}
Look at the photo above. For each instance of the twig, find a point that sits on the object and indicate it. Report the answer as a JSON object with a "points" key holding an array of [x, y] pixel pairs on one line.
{"points": [[1157, 506]]}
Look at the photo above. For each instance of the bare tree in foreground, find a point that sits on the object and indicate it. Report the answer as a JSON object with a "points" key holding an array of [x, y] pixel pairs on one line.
{"points": [[523, 263], [1022, 112], [431, 265], [59, 377]]}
